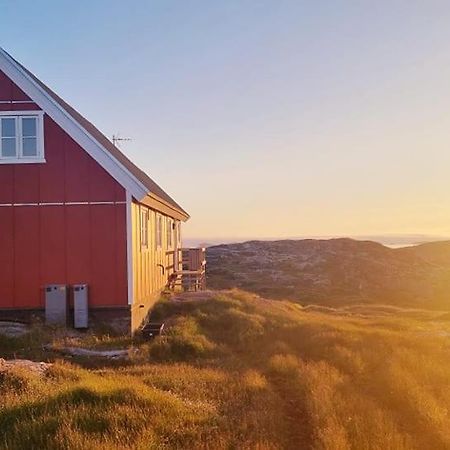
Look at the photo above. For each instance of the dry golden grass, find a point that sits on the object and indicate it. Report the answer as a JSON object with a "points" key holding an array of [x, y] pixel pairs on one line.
{"points": [[241, 372]]}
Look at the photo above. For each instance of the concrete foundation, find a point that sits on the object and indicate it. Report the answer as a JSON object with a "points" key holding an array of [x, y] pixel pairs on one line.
{"points": [[119, 319]]}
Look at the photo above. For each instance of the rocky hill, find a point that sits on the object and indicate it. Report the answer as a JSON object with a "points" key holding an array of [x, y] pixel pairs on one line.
{"points": [[336, 271]]}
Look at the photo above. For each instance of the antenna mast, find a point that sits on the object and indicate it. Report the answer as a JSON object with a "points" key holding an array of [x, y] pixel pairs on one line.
{"points": [[116, 139]]}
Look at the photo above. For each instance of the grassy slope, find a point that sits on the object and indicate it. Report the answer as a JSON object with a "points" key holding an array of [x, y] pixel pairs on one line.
{"points": [[236, 371]]}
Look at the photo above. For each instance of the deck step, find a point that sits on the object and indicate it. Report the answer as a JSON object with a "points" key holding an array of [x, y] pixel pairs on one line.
{"points": [[152, 329]]}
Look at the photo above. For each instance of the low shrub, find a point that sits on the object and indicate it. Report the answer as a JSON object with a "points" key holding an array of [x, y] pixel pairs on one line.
{"points": [[182, 342]]}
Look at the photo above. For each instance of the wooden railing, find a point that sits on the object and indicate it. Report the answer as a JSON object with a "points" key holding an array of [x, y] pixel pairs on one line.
{"points": [[187, 269], [174, 260], [194, 258]]}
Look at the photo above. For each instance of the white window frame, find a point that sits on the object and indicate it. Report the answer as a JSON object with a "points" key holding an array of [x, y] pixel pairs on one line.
{"points": [[159, 230], [169, 232], [18, 158], [144, 219]]}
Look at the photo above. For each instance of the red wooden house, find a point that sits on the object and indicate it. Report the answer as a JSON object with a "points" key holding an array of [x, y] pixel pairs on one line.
{"points": [[74, 209]]}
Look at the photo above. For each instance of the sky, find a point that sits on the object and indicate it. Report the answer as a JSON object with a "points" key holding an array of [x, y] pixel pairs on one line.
{"points": [[262, 118]]}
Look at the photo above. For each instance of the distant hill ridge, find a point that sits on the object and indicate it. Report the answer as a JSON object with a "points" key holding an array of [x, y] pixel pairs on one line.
{"points": [[335, 271]]}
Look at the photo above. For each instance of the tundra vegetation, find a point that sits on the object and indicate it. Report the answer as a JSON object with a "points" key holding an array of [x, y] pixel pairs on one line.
{"points": [[239, 371], [335, 272]]}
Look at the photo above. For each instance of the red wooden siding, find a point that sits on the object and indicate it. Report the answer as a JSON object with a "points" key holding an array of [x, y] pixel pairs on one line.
{"points": [[9, 92], [6, 256], [26, 256], [69, 175], [62, 244], [65, 244]]}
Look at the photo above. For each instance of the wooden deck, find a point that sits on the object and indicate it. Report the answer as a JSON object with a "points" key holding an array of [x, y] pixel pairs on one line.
{"points": [[188, 267]]}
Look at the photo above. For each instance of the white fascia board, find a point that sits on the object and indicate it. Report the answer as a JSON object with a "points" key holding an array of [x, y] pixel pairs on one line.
{"points": [[71, 126], [130, 277]]}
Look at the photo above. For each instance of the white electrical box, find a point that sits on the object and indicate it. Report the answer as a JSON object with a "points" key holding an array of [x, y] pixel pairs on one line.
{"points": [[80, 306], [56, 308]]}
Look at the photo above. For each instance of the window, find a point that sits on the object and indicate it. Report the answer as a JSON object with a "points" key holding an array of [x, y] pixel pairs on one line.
{"points": [[169, 232], [159, 230], [144, 228], [21, 137], [179, 233]]}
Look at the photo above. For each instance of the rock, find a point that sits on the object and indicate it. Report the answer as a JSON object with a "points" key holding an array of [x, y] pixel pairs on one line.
{"points": [[13, 329], [77, 351], [37, 367]]}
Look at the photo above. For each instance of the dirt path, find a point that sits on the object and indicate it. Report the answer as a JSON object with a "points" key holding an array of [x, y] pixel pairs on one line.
{"points": [[298, 428]]}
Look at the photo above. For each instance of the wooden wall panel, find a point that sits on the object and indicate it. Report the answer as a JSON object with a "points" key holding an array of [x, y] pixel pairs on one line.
{"points": [[76, 181], [26, 183], [6, 257], [78, 244], [120, 244], [21, 107], [53, 173], [9, 91], [148, 277], [120, 194], [52, 245], [102, 186], [18, 94], [26, 257], [103, 254], [6, 184], [5, 87]]}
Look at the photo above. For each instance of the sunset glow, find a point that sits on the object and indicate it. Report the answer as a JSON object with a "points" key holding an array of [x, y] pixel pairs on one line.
{"points": [[329, 120]]}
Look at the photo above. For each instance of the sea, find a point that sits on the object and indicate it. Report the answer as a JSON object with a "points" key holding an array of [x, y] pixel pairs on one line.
{"points": [[391, 241]]}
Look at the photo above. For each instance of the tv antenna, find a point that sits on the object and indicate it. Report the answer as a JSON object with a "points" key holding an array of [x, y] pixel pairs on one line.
{"points": [[117, 139]]}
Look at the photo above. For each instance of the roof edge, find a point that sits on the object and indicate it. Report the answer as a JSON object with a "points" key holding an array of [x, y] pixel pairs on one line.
{"points": [[164, 202], [75, 130], [33, 87], [163, 207]]}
